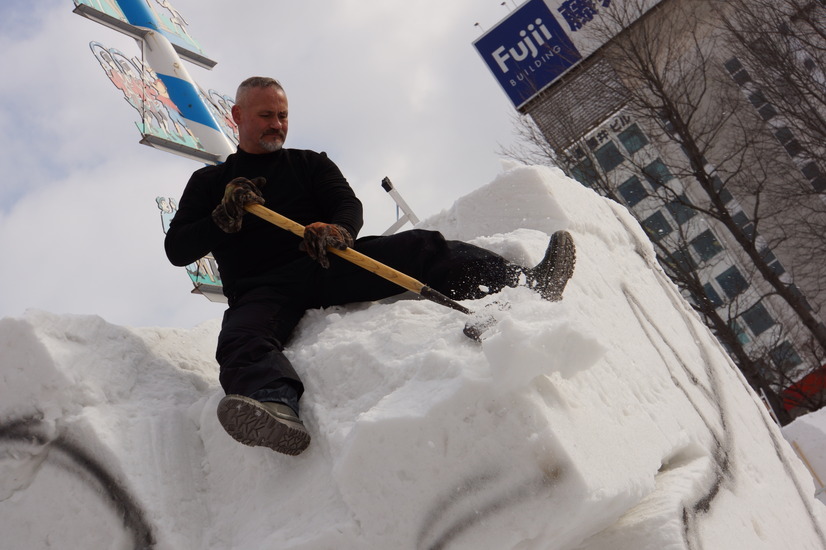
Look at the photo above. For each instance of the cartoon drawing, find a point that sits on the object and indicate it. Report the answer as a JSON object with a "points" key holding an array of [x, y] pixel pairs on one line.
{"points": [[171, 21], [203, 271], [175, 18], [168, 207], [147, 94], [221, 107]]}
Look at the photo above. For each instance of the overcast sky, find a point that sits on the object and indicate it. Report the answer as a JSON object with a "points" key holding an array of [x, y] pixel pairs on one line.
{"points": [[385, 87]]}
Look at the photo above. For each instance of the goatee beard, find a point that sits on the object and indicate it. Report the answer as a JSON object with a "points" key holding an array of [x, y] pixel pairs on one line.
{"points": [[271, 146]]}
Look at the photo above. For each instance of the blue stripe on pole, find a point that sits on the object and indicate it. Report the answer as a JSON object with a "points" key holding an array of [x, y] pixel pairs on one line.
{"points": [[138, 13], [189, 101]]}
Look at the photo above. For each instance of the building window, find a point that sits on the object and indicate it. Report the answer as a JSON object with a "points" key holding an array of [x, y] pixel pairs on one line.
{"points": [[732, 282], [725, 196], [757, 99], [784, 356], [681, 210], [633, 191], [815, 177], [733, 65], [585, 173], [656, 226], [771, 260], [712, 295], [667, 125], [742, 337], [737, 71], [740, 219], [744, 223], [657, 174], [633, 139], [767, 111], [796, 291], [706, 245], [679, 261], [608, 156], [758, 319], [787, 139]]}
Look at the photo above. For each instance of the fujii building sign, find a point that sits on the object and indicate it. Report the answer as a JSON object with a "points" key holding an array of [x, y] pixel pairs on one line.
{"points": [[527, 51], [542, 39]]}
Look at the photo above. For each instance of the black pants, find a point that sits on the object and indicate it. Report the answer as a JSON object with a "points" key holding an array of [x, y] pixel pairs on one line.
{"points": [[259, 321]]}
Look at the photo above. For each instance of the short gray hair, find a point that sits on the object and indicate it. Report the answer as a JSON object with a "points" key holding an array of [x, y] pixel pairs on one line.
{"points": [[256, 82]]}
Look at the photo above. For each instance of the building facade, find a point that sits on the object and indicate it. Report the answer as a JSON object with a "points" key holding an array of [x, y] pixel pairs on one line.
{"points": [[666, 118]]}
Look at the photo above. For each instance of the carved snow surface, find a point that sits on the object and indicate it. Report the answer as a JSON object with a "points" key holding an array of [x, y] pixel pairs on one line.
{"points": [[608, 420]]}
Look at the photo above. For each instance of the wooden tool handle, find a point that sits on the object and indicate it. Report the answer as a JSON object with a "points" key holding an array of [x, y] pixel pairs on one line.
{"points": [[353, 256]]}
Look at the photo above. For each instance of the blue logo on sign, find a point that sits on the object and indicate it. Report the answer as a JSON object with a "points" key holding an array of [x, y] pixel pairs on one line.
{"points": [[527, 51]]}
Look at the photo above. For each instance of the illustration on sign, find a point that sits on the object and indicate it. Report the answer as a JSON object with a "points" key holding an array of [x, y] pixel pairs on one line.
{"points": [[204, 272], [173, 20], [145, 92], [527, 51], [221, 107]]}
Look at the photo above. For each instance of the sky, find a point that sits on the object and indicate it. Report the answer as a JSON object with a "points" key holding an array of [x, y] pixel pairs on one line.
{"points": [[609, 420], [391, 88]]}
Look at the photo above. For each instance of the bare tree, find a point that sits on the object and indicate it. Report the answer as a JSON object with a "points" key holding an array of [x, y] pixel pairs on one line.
{"points": [[779, 56], [672, 71], [783, 43], [670, 63]]}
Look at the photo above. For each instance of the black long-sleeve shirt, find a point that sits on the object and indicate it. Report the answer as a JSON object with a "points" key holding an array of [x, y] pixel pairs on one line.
{"points": [[302, 185]]}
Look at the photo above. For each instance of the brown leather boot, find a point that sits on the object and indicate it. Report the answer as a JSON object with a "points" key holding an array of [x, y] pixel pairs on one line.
{"points": [[550, 276]]}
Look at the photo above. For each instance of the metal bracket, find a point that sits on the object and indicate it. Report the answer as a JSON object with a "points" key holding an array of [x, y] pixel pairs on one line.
{"points": [[401, 205]]}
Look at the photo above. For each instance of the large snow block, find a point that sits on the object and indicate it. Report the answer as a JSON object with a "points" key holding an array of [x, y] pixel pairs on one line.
{"points": [[609, 420], [96, 445]]}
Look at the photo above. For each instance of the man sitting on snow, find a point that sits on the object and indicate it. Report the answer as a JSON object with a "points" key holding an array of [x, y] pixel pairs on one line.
{"points": [[272, 277]]}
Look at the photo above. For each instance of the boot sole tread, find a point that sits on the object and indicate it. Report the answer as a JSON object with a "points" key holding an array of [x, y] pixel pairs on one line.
{"points": [[251, 424]]}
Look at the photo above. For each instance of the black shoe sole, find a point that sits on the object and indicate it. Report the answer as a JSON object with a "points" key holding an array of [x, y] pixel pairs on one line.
{"points": [[248, 422]]}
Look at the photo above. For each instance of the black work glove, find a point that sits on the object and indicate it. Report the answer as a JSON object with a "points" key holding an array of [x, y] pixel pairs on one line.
{"points": [[318, 236], [238, 193]]}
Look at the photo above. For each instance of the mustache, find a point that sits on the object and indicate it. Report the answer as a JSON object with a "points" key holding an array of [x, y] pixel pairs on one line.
{"points": [[279, 133]]}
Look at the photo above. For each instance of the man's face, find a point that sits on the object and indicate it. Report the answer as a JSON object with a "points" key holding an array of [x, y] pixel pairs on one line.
{"points": [[262, 120]]}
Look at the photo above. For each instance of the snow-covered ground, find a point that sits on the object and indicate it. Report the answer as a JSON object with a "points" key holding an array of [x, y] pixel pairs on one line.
{"points": [[609, 421]]}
